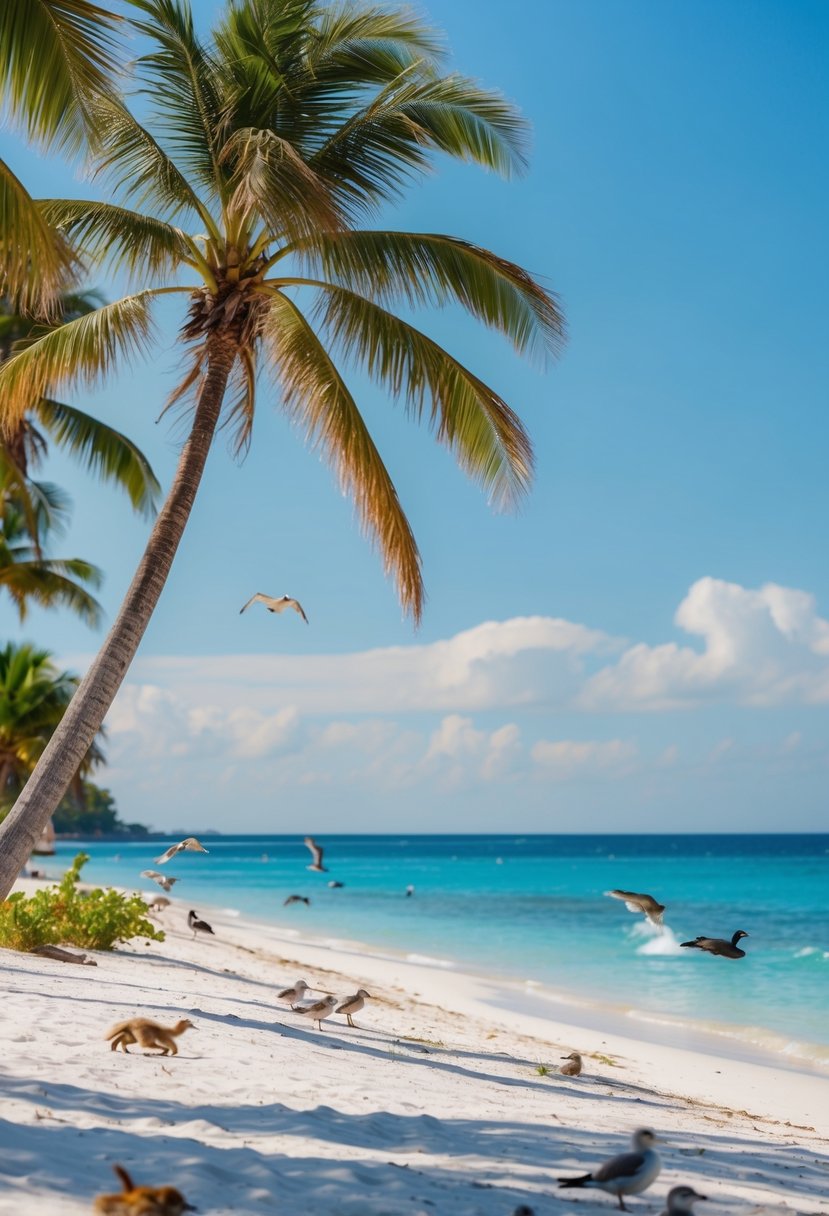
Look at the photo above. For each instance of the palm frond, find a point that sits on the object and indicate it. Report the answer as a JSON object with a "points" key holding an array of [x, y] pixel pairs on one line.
{"points": [[105, 234], [370, 44], [52, 583], [57, 56], [105, 451], [430, 269], [79, 352], [316, 397], [485, 435], [35, 261]]}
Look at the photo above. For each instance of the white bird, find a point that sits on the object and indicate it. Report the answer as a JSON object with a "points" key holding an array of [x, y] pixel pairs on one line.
{"points": [[316, 853], [681, 1200], [163, 881], [628, 1174], [646, 904], [190, 844], [275, 605], [319, 1010], [353, 1004], [293, 994]]}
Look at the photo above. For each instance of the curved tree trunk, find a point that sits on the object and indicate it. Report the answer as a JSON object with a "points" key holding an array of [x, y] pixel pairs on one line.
{"points": [[65, 751]]}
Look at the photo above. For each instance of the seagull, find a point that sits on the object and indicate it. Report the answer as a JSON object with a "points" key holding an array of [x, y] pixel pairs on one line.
{"points": [[680, 1201], [276, 605], [198, 926], [641, 903], [190, 844], [319, 1010], [628, 1174], [353, 1004], [316, 853], [572, 1065], [293, 994], [335, 884], [296, 899], [163, 881], [718, 945]]}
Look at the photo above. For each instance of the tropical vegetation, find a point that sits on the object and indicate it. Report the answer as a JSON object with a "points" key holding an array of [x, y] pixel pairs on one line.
{"points": [[248, 191]]}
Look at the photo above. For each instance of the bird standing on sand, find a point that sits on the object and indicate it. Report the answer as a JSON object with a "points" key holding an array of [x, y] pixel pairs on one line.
{"points": [[645, 904], [190, 845], [353, 1004], [316, 853], [681, 1200], [718, 945], [319, 1010], [158, 903], [198, 926], [296, 899], [293, 994], [275, 605], [572, 1065], [163, 881], [628, 1174]]}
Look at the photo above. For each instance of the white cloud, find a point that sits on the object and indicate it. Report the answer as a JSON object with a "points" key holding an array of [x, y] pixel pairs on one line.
{"points": [[564, 758]]}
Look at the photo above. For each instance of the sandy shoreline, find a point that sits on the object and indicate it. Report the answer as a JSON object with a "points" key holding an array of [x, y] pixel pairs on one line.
{"points": [[433, 1104]]}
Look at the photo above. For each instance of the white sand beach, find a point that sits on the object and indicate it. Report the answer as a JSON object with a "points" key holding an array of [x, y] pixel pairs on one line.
{"points": [[433, 1105]]}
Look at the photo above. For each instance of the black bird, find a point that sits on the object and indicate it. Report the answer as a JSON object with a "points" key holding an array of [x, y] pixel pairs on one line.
{"points": [[296, 899], [198, 926], [718, 945]]}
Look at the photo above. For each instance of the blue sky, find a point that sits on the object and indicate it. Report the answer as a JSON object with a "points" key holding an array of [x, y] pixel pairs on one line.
{"points": [[676, 202]]}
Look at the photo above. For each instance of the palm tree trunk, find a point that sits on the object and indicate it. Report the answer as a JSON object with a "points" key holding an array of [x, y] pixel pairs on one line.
{"points": [[65, 751]]}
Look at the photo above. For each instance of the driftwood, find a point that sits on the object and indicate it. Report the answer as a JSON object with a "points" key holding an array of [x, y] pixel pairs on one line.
{"points": [[64, 956]]}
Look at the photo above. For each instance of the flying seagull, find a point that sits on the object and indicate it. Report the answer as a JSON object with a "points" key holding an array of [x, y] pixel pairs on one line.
{"points": [[681, 1200], [316, 853], [276, 605], [198, 926], [190, 844], [319, 1010], [641, 903], [296, 899], [628, 1174], [353, 1004], [718, 945], [163, 881], [293, 994]]}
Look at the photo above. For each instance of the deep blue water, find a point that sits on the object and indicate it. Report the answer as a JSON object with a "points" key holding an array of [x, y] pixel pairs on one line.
{"points": [[532, 908]]}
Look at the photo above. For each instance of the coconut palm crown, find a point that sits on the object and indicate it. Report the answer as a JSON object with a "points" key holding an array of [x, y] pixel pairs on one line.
{"points": [[249, 191]]}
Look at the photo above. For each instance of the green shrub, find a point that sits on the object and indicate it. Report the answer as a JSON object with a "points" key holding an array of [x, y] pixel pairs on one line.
{"points": [[63, 915]]}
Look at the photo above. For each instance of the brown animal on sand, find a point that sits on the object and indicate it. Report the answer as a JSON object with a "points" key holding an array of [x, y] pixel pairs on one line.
{"points": [[147, 1033], [572, 1065], [142, 1200]]}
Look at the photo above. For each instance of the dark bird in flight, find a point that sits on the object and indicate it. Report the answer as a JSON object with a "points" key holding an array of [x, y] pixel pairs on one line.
{"points": [[296, 899], [275, 605], [718, 945]]}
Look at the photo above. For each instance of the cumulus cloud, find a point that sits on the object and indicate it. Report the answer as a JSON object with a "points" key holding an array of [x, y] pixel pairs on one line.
{"points": [[563, 758]]}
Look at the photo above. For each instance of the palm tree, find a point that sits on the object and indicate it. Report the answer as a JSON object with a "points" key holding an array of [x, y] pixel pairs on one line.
{"points": [[103, 449], [270, 145], [28, 512], [56, 58], [34, 695]]}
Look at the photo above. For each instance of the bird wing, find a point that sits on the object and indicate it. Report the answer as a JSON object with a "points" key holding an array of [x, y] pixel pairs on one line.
{"points": [[171, 852], [317, 1007], [255, 599], [315, 850], [194, 845], [623, 1166], [349, 1003], [154, 874], [297, 607]]}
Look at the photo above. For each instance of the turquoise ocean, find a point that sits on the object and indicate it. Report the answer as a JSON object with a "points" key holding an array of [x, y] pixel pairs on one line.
{"points": [[530, 911]]}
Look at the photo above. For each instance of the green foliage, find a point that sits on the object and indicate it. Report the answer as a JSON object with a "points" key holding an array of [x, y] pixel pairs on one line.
{"points": [[64, 915], [542, 1070]]}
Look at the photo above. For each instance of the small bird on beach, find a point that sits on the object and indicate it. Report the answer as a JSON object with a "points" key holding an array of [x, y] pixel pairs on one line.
{"points": [[158, 903], [319, 1010], [333, 883], [681, 1200], [718, 945], [294, 993], [572, 1065], [316, 853], [198, 926], [275, 605], [628, 1174], [296, 899], [163, 881], [190, 844], [141, 1200], [645, 904], [353, 1004]]}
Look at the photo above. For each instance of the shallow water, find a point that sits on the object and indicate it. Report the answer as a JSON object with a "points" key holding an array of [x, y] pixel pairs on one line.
{"points": [[532, 908]]}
